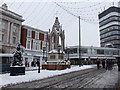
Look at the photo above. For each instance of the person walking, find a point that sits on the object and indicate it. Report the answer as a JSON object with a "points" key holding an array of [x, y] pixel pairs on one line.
{"points": [[118, 63], [103, 63], [108, 65], [98, 64], [38, 63]]}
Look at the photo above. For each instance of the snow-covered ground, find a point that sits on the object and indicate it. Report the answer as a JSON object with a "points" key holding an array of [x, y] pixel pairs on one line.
{"points": [[6, 79]]}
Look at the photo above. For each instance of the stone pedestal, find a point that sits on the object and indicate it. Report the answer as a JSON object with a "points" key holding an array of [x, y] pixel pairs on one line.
{"points": [[56, 61], [55, 67], [17, 70]]}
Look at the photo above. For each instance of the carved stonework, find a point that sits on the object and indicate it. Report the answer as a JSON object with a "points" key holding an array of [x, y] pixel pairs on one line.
{"points": [[57, 36], [56, 55]]}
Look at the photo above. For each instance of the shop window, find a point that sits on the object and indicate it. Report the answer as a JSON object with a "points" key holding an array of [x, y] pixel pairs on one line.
{"points": [[100, 51]]}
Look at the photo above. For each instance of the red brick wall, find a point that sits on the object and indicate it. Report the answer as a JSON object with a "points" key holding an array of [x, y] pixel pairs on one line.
{"points": [[23, 37], [41, 36], [33, 34]]}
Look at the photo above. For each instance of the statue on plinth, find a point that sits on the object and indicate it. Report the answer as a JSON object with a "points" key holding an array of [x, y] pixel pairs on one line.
{"points": [[17, 67], [17, 58]]}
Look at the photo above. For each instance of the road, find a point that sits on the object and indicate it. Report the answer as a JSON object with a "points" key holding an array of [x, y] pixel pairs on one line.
{"points": [[76, 79]]}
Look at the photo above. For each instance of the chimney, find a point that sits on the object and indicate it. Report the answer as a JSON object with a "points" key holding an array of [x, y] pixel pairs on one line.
{"points": [[4, 6]]}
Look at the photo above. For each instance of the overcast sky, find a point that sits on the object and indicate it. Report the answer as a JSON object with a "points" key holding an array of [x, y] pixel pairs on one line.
{"points": [[41, 14]]}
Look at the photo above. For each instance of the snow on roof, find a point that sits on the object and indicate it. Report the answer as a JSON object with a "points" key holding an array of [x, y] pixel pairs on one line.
{"points": [[56, 51], [53, 51]]}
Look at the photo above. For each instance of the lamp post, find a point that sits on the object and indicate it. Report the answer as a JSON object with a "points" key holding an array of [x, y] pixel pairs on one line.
{"points": [[38, 66], [79, 45], [44, 48]]}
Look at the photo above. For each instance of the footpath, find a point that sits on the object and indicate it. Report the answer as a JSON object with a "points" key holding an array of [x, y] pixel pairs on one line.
{"points": [[110, 79]]}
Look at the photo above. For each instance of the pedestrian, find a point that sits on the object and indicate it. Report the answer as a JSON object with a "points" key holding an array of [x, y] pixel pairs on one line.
{"points": [[111, 65], [26, 63], [38, 63], [108, 64], [103, 63], [98, 64], [118, 63], [32, 63]]}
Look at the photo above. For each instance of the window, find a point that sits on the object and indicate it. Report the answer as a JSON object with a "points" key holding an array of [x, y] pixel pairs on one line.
{"points": [[83, 50], [45, 35], [28, 44], [115, 52], [36, 46], [15, 28], [14, 40], [26, 59], [4, 24], [37, 35], [2, 37], [29, 33], [100, 51]]}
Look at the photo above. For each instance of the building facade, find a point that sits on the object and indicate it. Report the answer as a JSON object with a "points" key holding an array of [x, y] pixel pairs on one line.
{"points": [[91, 53], [10, 29], [34, 41], [109, 24]]}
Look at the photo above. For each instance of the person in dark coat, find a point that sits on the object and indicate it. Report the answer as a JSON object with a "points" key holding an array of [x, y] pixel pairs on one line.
{"points": [[32, 64], [98, 64], [103, 63], [118, 63], [108, 64], [38, 63]]}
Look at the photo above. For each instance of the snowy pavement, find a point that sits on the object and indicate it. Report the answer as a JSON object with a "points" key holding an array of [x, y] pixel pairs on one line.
{"points": [[6, 79], [109, 79]]}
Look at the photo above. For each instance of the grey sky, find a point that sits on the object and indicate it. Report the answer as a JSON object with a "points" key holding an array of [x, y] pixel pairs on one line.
{"points": [[41, 15]]}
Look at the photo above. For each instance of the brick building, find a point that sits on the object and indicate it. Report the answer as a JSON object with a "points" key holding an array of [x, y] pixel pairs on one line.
{"points": [[34, 40]]}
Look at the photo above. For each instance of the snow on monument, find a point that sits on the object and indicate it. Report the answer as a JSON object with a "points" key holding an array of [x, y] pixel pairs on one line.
{"points": [[56, 55]]}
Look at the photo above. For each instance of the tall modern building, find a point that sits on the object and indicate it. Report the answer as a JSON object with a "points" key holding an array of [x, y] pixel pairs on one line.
{"points": [[109, 25]]}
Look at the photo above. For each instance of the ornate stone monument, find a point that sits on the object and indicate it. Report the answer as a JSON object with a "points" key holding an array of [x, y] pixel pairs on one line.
{"points": [[17, 67], [56, 55]]}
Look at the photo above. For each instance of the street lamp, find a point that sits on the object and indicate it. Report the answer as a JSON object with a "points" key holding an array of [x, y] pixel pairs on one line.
{"points": [[80, 63], [44, 48], [38, 66]]}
